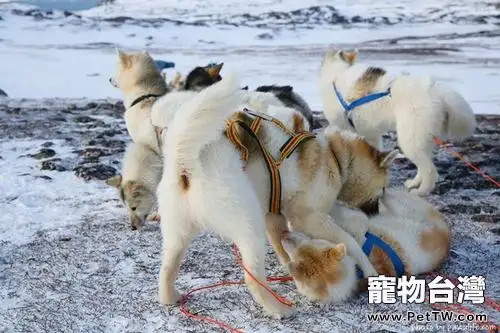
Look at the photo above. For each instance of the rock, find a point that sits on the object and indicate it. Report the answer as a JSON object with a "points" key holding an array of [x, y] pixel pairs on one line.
{"points": [[109, 133], [52, 165], [487, 218], [47, 144], [85, 119], [44, 153], [97, 171], [3, 93], [44, 177], [265, 36], [92, 152], [462, 209]]}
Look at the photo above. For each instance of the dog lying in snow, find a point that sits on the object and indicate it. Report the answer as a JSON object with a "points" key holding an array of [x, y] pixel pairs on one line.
{"points": [[413, 229], [141, 173], [418, 108], [204, 185]]}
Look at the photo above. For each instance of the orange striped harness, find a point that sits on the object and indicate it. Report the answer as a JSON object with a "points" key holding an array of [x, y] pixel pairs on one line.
{"points": [[296, 138]]}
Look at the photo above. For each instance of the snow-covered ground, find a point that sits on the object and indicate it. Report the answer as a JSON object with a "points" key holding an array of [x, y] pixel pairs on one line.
{"points": [[69, 262]]}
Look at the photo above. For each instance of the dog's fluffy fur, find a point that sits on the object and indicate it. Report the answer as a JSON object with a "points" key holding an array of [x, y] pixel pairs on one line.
{"points": [[141, 173], [415, 230], [292, 100], [204, 184], [418, 108], [137, 75]]}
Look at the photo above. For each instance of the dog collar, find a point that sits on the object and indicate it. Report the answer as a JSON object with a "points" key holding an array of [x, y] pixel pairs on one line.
{"points": [[348, 107], [161, 64], [143, 97], [372, 240]]}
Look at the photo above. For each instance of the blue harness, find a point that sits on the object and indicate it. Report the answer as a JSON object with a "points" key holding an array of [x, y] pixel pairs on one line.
{"points": [[372, 240], [164, 64], [348, 107]]}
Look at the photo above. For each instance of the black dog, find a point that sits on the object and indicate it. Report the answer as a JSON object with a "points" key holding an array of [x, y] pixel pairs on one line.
{"points": [[290, 99]]}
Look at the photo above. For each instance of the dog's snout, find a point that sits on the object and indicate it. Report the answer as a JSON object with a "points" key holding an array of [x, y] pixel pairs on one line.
{"points": [[136, 222], [112, 81]]}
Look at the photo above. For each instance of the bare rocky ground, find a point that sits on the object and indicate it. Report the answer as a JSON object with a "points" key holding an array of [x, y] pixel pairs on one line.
{"points": [[99, 276]]}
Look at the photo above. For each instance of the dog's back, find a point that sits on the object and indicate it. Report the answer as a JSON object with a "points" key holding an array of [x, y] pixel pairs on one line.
{"points": [[415, 229], [290, 99]]}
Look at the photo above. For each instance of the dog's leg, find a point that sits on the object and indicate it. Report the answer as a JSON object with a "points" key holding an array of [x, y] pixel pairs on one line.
{"points": [[177, 233], [429, 176], [253, 255], [276, 226], [241, 219], [418, 148], [321, 226]]}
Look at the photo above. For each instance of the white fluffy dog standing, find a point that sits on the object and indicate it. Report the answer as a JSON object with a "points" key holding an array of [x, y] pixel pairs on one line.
{"points": [[204, 185], [418, 108]]}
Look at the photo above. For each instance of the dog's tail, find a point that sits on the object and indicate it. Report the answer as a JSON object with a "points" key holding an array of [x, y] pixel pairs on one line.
{"points": [[200, 121], [460, 121]]}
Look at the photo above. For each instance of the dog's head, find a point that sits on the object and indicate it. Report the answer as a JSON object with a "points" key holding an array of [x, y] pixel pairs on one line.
{"points": [[364, 170], [321, 270], [201, 77], [137, 70], [136, 197], [335, 61]]}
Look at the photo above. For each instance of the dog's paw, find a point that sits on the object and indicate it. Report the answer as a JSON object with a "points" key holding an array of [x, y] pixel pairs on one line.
{"points": [[154, 217], [283, 312], [170, 297], [412, 184], [421, 192]]}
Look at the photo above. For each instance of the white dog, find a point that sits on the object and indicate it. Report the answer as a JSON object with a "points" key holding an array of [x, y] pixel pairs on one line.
{"points": [[204, 184], [416, 107]]}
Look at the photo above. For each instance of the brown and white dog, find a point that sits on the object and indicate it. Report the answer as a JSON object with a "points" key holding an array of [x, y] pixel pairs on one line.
{"points": [[197, 79], [136, 185], [206, 185], [412, 228]]}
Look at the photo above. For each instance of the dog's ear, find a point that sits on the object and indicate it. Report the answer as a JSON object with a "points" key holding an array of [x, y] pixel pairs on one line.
{"points": [[287, 89], [337, 252], [349, 56], [387, 157], [114, 181], [125, 59], [331, 52], [136, 190], [214, 71]]}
